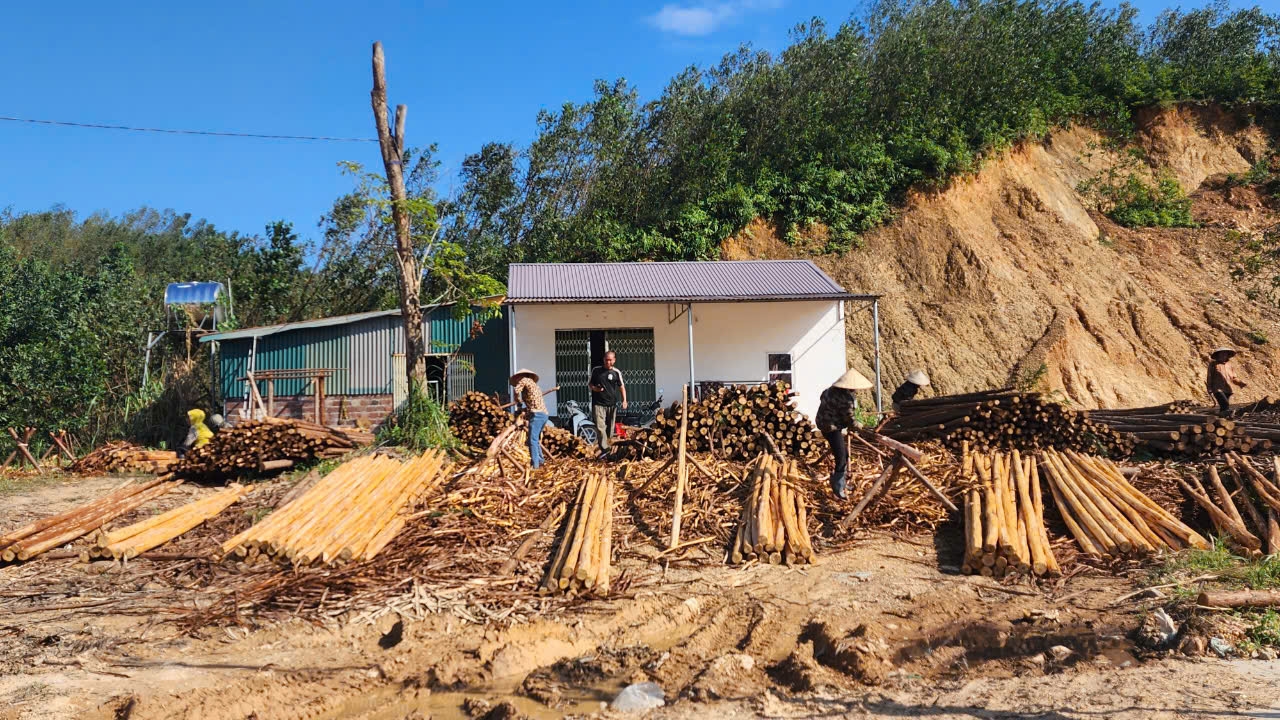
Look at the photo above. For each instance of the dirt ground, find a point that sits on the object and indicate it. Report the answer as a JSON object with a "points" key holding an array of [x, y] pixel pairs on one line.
{"points": [[887, 628]]}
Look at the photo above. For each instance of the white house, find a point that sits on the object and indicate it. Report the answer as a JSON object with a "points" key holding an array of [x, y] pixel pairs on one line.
{"points": [[672, 323]]}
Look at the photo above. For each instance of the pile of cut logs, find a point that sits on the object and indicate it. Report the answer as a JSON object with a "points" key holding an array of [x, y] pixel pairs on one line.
{"points": [[123, 456], [1255, 532], [373, 493], [560, 443], [260, 446], [774, 526], [1004, 518], [51, 532], [1188, 434], [130, 542], [581, 564], [1108, 517], [732, 421], [1002, 420], [476, 418]]}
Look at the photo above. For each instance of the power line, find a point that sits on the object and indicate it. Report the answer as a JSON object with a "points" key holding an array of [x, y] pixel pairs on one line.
{"points": [[213, 133]]}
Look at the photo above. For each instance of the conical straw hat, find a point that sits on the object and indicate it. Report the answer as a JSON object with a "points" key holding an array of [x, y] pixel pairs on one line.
{"points": [[522, 372], [852, 380], [918, 377], [1218, 351]]}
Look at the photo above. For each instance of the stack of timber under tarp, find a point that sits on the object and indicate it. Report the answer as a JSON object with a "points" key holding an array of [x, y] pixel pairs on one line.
{"points": [[122, 456], [51, 532], [1004, 518], [1257, 530], [774, 526], [732, 422], [1108, 517], [1001, 420], [258, 446], [1164, 430], [348, 516], [581, 564], [130, 542]]}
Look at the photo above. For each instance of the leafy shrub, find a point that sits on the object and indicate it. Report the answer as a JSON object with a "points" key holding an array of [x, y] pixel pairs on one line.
{"points": [[1125, 196], [419, 424]]}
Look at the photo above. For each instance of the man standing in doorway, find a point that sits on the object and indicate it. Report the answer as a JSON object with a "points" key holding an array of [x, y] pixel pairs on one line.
{"points": [[607, 390]]}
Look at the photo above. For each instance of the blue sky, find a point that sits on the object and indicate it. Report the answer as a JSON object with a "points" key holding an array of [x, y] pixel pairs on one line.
{"points": [[470, 72]]}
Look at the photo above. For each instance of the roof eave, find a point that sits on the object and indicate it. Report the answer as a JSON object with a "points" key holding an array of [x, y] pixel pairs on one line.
{"points": [[702, 299]]}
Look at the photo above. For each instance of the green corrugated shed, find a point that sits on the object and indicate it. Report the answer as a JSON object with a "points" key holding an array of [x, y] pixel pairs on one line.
{"points": [[360, 352]]}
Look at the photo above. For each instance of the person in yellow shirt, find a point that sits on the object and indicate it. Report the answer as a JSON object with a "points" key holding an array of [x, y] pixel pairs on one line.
{"points": [[199, 433]]}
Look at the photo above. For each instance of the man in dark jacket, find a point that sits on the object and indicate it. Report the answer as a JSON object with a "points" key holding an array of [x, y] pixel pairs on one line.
{"points": [[837, 411]]}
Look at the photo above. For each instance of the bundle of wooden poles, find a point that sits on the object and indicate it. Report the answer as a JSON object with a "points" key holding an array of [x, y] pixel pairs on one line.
{"points": [[774, 525], [581, 562], [1258, 529], [270, 445], [349, 515], [1002, 419], [1188, 434], [476, 418], [123, 456], [51, 532], [1004, 518], [732, 422], [130, 542], [1108, 517]]}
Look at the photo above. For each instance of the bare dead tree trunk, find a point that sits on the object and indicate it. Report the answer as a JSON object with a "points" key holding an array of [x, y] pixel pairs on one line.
{"points": [[391, 141]]}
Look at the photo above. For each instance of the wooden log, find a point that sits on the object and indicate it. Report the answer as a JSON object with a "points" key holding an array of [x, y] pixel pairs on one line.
{"points": [[1225, 522], [681, 471], [991, 520], [1239, 598], [556, 569], [886, 476]]}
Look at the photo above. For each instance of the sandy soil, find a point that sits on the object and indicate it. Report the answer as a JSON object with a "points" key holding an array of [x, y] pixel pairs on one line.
{"points": [[884, 629]]}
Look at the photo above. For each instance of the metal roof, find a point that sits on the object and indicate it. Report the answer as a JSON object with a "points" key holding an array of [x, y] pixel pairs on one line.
{"points": [[263, 330], [704, 281], [192, 293]]}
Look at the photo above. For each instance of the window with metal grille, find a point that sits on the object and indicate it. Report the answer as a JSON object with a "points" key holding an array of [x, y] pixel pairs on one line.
{"points": [[780, 368]]}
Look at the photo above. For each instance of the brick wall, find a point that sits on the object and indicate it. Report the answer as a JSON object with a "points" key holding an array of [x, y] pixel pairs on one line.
{"points": [[339, 410]]}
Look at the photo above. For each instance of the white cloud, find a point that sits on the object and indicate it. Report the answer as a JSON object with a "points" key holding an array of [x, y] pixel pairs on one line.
{"points": [[704, 19]]}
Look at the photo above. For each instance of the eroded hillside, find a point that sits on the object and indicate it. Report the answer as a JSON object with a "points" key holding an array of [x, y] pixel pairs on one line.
{"points": [[1010, 276]]}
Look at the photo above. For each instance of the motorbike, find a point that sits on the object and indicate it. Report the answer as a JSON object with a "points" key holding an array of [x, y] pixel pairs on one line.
{"points": [[580, 424]]}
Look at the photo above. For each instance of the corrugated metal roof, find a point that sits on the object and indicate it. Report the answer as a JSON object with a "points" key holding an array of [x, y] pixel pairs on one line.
{"points": [[705, 281], [192, 293], [265, 330]]}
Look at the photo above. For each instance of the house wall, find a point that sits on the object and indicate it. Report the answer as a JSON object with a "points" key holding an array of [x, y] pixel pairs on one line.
{"points": [[731, 341]]}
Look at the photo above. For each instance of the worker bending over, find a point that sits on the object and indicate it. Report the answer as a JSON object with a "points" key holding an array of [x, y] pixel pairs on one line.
{"points": [[837, 411], [1221, 377], [527, 391], [908, 390], [198, 434]]}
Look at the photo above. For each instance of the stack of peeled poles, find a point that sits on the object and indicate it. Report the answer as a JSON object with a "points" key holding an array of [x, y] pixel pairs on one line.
{"points": [[1257, 530], [774, 524], [129, 542], [582, 559], [1002, 419], [733, 422], [1177, 430], [123, 456], [1107, 516], [54, 531], [350, 515], [271, 444], [1004, 518]]}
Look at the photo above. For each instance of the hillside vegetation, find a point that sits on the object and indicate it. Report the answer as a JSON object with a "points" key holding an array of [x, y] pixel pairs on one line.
{"points": [[823, 143]]}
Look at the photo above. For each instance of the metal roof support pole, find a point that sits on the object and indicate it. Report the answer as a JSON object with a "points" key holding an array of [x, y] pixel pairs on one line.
{"points": [[693, 384], [875, 322], [511, 332], [146, 361]]}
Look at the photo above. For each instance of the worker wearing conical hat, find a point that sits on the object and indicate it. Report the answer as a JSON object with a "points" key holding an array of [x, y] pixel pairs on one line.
{"points": [[525, 384], [1221, 378], [198, 434], [908, 389], [837, 412]]}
